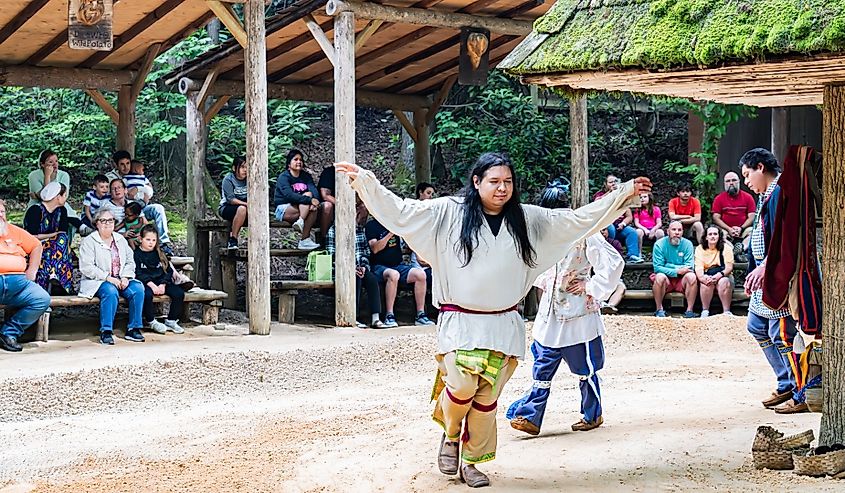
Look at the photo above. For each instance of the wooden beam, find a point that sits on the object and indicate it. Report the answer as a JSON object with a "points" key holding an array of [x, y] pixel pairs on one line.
{"points": [[258, 244], [422, 147], [428, 17], [126, 120], [344, 141], [146, 66], [320, 37], [366, 33], [215, 108], [406, 124], [403, 64], [20, 18], [176, 38], [103, 103], [210, 79], [227, 16], [440, 98], [579, 149], [46, 50], [71, 78], [139, 27]]}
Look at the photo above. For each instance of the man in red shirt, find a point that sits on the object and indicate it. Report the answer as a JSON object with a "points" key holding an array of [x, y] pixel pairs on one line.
{"points": [[734, 211], [686, 209], [17, 287]]}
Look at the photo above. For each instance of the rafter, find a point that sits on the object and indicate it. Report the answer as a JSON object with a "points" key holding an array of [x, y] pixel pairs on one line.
{"points": [[215, 108], [406, 124], [227, 16], [366, 33], [20, 19], [320, 37], [146, 66]]}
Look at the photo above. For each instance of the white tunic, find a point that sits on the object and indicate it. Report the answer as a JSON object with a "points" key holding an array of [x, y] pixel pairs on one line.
{"points": [[564, 319], [496, 278]]}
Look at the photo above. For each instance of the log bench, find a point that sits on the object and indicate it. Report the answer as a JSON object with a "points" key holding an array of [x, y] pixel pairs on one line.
{"points": [[676, 299], [229, 268], [287, 291], [210, 300]]}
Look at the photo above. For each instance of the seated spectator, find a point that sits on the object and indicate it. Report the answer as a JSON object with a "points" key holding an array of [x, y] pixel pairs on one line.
{"points": [[233, 200], [621, 229], [714, 265], [94, 199], [612, 303], [154, 271], [364, 276], [674, 262], [326, 186], [425, 191], [296, 199], [116, 204], [687, 210], [107, 265], [138, 187], [614, 242], [648, 219], [387, 265], [48, 171], [734, 211], [25, 299], [49, 222], [152, 212], [133, 221]]}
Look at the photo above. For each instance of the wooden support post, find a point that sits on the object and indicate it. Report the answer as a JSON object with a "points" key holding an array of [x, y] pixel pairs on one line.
{"points": [[780, 133], [287, 306], [406, 124], [211, 312], [227, 16], [833, 266], [215, 108], [344, 142], [229, 277], [422, 148], [320, 37], [186, 314], [42, 328], [258, 245], [218, 240], [580, 149], [210, 79], [126, 120], [195, 139], [103, 103]]}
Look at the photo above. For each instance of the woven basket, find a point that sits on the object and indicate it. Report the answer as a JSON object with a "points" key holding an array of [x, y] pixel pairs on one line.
{"points": [[799, 440], [777, 460], [831, 463], [766, 439]]}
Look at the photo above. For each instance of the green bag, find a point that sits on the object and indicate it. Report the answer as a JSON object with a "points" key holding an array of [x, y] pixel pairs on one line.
{"points": [[319, 266]]}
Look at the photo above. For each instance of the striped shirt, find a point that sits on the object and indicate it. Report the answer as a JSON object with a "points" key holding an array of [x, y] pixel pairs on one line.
{"points": [[758, 249], [91, 200]]}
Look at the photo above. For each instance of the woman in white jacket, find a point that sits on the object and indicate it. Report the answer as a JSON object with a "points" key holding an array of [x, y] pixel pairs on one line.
{"points": [[108, 271]]}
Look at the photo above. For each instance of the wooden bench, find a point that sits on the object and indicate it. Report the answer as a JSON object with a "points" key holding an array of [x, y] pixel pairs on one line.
{"points": [[649, 266], [229, 268], [287, 291], [211, 301], [675, 299]]}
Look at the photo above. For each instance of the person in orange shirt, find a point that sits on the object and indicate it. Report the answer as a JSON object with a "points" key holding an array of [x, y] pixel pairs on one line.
{"points": [[20, 256], [687, 210]]}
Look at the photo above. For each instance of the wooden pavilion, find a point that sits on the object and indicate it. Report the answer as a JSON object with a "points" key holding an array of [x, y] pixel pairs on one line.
{"points": [[401, 55], [768, 53]]}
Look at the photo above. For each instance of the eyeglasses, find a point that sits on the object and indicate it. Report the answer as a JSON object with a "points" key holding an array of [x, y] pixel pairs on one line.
{"points": [[105, 221]]}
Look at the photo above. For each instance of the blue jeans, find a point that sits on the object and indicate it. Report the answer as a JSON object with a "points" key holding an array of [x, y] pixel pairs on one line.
{"points": [[775, 337], [30, 300], [109, 299], [155, 213], [627, 235]]}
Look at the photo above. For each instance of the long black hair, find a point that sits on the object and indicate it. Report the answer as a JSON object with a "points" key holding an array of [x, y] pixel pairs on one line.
{"points": [[292, 154], [473, 213], [556, 194]]}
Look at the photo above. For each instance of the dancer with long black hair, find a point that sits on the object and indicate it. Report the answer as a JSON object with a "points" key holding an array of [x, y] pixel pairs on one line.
{"points": [[480, 274]]}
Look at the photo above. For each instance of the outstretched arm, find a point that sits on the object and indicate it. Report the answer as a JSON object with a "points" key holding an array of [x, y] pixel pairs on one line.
{"points": [[607, 267]]}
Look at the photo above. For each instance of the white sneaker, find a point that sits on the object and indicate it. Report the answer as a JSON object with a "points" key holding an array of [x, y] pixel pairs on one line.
{"points": [[705, 313], [298, 225], [307, 244], [158, 327], [173, 325]]}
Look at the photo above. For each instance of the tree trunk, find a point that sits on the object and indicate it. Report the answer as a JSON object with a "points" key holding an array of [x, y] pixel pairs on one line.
{"points": [[833, 266]]}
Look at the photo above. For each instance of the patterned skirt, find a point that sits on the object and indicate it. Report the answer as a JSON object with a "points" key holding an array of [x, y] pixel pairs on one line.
{"points": [[56, 263]]}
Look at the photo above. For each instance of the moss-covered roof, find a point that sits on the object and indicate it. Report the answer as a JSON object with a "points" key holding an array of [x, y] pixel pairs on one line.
{"points": [[577, 35]]}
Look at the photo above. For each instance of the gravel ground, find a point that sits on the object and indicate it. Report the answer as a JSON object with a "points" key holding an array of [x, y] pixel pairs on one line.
{"points": [[315, 409]]}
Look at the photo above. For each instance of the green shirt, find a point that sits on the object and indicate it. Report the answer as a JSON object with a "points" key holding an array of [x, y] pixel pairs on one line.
{"points": [[36, 183], [668, 258]]}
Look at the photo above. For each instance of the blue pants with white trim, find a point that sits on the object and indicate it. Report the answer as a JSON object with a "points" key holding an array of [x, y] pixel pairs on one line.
{"points": [[583, 359]]}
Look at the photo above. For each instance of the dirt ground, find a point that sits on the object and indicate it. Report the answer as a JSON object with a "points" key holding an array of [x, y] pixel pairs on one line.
{"points": [[321, 409]]}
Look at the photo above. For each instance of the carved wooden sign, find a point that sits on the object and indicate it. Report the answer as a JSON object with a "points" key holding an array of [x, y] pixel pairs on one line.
{"points": [[90, 25], [474, 57]]}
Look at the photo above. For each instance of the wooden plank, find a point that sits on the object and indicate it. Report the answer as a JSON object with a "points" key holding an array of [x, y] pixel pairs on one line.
{"points": [[20, 18], [145, 23], [579, 150], [344, 141], [320, 37], [406, 124], [144, 71], [103, 103], [646, 294], [287, 306], [428, 17], [258, 294], [440, 98], [288, 284], [215, 108], [227, 16], [404, 63], [126, 120], [241, 254], [422, 147], [365, 34], [176, 38], [196, 296], [46, 50]]}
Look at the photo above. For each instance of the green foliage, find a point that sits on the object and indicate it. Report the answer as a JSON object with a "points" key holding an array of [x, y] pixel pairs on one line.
{"points": [[498, 117], [289, 125], [671, 33]]}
